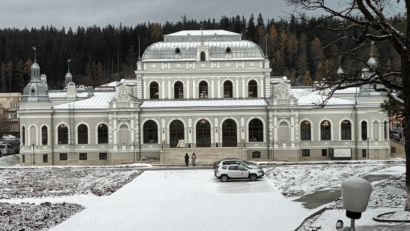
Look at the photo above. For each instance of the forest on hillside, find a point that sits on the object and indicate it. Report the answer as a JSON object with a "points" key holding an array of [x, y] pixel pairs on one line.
{"points": [[100, 55]]}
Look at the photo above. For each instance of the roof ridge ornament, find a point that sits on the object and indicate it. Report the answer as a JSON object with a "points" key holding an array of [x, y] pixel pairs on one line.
{"points": [[35, 53]]}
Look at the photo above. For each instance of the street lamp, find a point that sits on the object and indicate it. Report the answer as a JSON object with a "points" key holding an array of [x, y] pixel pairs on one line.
{"points": [[34, 158]]}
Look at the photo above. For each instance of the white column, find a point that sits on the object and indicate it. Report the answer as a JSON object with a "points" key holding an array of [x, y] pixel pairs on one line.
{"points": [[187, 88], [132, 131], [237, 88], [215, 131], [193, 89], [292, 130], [262, 91], [244, 88], [219, 88], [163, 89], [190, 128], [211, 89], [114, 130], [169, 89], [275, 129], [163, 131]]}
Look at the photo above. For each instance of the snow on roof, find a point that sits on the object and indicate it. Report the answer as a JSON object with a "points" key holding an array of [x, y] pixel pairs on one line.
{"points": [[64, 94], [311, 97], [203, 103], [350, 90], [100, 100], [199, 33]]}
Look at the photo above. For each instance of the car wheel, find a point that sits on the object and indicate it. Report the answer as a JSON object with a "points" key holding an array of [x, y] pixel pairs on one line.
{"points": [[253, 177], [224, 178]]}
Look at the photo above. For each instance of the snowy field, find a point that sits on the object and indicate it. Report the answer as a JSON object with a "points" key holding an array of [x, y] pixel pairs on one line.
{"points": [[183, 200], [298, 180], [29, 216], [13, 160], [49, 182], [114, 198]]}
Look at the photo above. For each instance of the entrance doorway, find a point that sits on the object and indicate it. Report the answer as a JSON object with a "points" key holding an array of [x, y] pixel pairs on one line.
{"points": [[203, 134], [176, 133], [229, 133]]}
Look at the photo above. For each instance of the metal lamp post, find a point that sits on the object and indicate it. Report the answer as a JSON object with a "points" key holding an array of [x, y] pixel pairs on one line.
{"points": [[34, 158], [368, 148]]}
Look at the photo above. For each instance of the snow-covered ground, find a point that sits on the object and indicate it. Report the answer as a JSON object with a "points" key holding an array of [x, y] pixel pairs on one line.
{"points": [[184, 200], [12, 160], [298, 180], [47, 182]]}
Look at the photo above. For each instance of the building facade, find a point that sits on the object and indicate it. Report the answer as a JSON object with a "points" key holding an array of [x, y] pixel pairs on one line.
{"points": [[203, 92], [9, 121]]}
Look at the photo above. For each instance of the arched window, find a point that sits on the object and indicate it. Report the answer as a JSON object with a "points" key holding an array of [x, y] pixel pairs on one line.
{"points": [[150, 132], [346, 130], [305, 130], [203, 89], [364, 130], [176, 133], [44, 135], [255, 130], [102, 134], [253, 89], [24, 135], [229, 136], [178, 90], [202, 56], [228, 89], [62, 134], [83, 134], [325, 128], [203, 133], [154, 90]]}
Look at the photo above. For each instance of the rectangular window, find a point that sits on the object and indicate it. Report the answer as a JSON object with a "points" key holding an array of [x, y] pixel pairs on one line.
{"points": [[13, 105], [256, 154], [305, 152], [14, 127], [63, 156], [363, 152], [83, 156], [103, 156], [45, 158], [324, 152], [24, 159]]}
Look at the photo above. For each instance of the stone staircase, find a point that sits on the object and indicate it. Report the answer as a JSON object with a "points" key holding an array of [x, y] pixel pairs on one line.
{"points": [[204, 156]]}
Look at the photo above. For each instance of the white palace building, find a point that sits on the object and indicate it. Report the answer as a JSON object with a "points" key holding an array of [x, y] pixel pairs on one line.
{"points": [[205, 92]]}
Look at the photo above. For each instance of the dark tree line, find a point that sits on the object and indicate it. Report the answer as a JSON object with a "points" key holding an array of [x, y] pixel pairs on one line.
{"points": [[99, 55]]}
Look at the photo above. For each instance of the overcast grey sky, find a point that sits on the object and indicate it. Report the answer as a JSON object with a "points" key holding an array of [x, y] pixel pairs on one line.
{"points": [[74, 13]]}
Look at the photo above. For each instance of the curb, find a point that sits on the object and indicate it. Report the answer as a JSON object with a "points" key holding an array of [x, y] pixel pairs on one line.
{"points": [[307, 218], [376, 218]]}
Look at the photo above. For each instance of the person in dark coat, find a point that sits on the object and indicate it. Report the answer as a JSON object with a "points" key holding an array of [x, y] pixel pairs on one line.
{"points": [[186, 159]]}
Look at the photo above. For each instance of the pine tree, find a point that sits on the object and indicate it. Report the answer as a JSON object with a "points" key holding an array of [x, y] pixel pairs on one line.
{"points": [[251, 29], [9, 74], [307, 80], [3, 77]]}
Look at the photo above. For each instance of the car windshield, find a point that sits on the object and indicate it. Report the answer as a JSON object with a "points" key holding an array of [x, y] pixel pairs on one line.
{"points": [[2, 146]]}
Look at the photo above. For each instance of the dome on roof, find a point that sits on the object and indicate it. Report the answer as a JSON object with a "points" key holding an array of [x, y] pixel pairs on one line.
{"points": [[68, 75], [372, 62], [340, 71], [35, 65], [217, 50]]}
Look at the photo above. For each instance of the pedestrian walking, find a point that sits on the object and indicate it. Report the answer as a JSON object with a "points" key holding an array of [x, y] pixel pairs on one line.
{"points": [[186, 159], [193, 159]]}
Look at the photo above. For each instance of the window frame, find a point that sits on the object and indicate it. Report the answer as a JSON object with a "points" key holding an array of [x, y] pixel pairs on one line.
{"points": [[147, 132], [202, 56], [44, 136], [255, 130], [45, 158], [253, 87], [226, 88], [256, 154], [324, 152], [346, 130], [63, 156], [102, 134], [154, 90], [305, 152], [62, 133], [82, 156], [364, 130], [364, 153], [325, 134], [305, 134], [102, 157], [80, 131]]}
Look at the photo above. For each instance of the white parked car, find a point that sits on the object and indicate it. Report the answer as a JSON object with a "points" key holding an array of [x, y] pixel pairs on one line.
{"points": [[8, 137], [235, 171]]}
